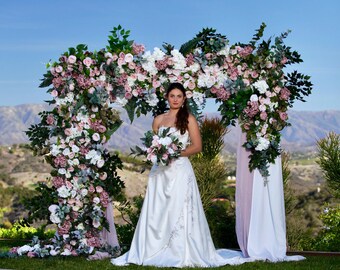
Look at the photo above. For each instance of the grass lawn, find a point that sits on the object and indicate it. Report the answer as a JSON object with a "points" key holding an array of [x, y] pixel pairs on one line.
{"points": [[73, 263]]}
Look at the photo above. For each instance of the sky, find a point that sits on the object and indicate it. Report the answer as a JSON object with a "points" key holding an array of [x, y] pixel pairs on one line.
{"points": [[34, 32]]}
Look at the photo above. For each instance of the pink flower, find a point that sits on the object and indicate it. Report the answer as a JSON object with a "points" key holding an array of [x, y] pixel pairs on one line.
{"points": [[58, 69], [60, 161], [87, 61], [65, 228], [188, 94], [99, 189], [54, 93], [91, 189], [57, 182], [50, 119], [71, 59], [263, 116], [191, 85], [283, 116], [103, 176], [31, 254], [285, 94], [68, 132], [137, 48], [93, 242], [128, 95]]}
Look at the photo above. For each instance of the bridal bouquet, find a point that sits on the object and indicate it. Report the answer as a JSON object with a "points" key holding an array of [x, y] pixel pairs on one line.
{"points": [[161, 148]]}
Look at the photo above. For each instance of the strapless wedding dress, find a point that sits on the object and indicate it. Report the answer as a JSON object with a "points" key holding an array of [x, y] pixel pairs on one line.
{"points": [[172, 230]]}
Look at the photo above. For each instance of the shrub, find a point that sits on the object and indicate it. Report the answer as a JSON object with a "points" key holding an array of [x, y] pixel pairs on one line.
{"points": [[329, 161], [328, 238]]}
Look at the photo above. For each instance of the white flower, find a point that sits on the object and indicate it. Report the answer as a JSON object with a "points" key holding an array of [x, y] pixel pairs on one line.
{"points": [[55, 150], [75, 149], [96, 200], [108, 55], [63, 192], [224, 51], [263, 144], [152, 100], [80, 227], [102, 78], [61, 171], [24, 249], [66, 151], [96, 137], [84, 192], [53, 208], [66, 252], [165, 141], [261, 86], [54, 218], [254, 98], [128, 58], [199, 98], [121, 101], [100, 163], [262, 108], [54, 252], [153, 159], [158, 54], [96, 223]]}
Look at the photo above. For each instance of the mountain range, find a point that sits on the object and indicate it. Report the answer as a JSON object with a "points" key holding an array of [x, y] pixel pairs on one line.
{"points": [[306, 128]]}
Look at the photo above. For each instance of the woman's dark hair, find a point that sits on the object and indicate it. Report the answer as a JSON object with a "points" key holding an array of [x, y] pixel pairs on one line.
{"points": [[183, 113]]}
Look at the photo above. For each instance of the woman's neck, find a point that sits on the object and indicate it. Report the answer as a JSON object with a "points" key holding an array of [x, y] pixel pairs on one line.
{"points": [[173, 112]]}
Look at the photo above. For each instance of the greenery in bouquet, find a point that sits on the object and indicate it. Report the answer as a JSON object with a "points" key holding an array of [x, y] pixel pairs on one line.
{"points": [[162, 148]]}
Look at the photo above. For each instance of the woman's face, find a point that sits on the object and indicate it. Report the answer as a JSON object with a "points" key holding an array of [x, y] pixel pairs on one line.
{"points": [[176, 98]]}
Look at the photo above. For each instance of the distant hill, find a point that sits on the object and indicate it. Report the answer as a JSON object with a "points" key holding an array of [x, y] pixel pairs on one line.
{"points": [[307, 127]]}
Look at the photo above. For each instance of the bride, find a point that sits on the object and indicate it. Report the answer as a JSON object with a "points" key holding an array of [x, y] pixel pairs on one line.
{"points": [[172, 230]]}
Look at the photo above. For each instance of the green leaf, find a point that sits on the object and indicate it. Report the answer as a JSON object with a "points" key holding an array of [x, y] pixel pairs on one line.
{"points": [[130, 108]]}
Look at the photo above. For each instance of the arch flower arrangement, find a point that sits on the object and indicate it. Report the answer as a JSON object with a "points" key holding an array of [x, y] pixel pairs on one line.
{"points": [[248, 80]]}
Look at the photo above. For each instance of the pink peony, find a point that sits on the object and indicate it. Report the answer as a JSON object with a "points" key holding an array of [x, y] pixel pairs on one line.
{"points": [[57, 182], [137, 48], [64, 228], [60, 161]]}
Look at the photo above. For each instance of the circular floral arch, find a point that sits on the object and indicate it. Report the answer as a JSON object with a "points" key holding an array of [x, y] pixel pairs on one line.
{"points": [[248, 81]]}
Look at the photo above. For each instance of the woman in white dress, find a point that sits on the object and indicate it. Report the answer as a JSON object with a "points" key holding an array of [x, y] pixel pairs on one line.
{"points": [[172, 230]]}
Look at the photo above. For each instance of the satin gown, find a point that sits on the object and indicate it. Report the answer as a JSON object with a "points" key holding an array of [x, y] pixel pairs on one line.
{"points": [[172, 230]]}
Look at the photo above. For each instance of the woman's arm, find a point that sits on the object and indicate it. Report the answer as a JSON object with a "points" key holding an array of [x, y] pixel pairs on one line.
{"points": [[195, 137], [155, 123]]}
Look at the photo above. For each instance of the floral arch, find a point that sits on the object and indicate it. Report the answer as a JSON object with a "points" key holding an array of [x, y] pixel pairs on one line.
{"points": [[248, 80]]}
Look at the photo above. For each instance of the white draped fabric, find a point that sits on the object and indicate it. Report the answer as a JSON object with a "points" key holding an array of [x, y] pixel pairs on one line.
{"points": [[260, 212], [172, 230]]}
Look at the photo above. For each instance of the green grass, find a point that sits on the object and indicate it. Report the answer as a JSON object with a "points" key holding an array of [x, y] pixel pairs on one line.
{"points": [[21, 263], [76, 263]]}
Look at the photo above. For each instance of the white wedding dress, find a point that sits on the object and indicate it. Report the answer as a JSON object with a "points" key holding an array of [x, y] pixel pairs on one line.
{"points": [[172, 230]]}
